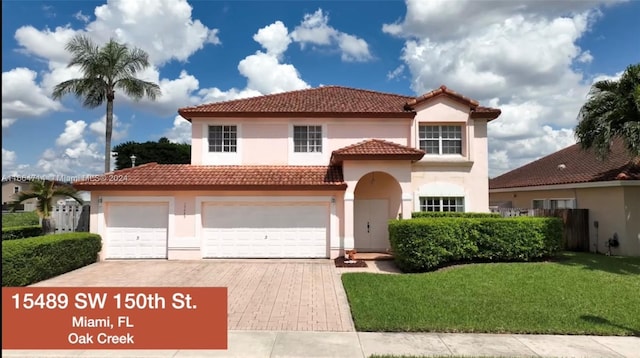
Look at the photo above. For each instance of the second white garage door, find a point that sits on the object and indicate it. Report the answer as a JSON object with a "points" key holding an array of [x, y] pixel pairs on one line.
{"points": [[136, 230], [265, 231]]}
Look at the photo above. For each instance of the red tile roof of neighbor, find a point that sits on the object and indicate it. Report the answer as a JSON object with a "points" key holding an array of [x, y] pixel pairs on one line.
{"points": [[376, 149], [153, 176], [331, 101], [572, 165]]}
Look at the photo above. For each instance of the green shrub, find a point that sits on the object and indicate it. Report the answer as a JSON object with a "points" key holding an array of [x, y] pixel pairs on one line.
{"points": [[20, 219], [452, 214], [428, 243], [31, 260], [21, 232]]}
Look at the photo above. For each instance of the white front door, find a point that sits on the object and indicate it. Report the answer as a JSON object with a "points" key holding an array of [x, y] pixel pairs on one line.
{"points": [[371, 220], [136, 230], [264, 231]]}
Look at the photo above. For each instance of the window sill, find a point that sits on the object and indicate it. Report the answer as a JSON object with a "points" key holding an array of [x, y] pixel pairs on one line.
{"points": [[445, 160]]}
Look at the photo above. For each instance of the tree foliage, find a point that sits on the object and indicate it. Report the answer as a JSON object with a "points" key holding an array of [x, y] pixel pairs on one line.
{"points": [[105, 69], [161, 152], [612, 110]]}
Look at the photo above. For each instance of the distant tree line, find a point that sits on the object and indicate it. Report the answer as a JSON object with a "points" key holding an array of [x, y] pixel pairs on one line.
{"points": [[162, 152]]}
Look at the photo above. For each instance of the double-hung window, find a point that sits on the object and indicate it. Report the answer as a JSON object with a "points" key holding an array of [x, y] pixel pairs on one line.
{"points": [[223, 139], [307, 139], [446, 203], [440, 139]]}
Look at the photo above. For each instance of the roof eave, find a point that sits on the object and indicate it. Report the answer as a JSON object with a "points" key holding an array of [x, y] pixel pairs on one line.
{"points": [[189, 115], [489, 116], [337, 159], [199, 187]]}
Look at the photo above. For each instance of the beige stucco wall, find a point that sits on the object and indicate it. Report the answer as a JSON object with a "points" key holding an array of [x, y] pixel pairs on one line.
{"points": [[8, 195], [615, 208], [632, 217], [453, 175]]}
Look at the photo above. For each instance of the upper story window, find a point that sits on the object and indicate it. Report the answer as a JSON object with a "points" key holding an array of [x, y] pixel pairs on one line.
{"points": [[223, 139], [441, 139], [307, 139], [434, 203], [16, 189]]}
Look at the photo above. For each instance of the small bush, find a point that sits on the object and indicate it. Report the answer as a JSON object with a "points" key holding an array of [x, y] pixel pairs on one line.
{"points": [[452, 214], [428, 243], [20, 219], [28, 261], [21, 232]]}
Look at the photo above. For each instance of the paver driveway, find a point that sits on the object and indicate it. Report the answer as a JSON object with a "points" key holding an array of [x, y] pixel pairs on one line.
{"points": [[286, 295]]}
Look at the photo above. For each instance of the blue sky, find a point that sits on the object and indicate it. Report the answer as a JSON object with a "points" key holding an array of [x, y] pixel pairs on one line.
{"points": [[533, 59]]}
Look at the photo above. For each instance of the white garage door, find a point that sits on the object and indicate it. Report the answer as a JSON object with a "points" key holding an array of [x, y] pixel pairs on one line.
{"points": [[264, 231], [137, 231]]}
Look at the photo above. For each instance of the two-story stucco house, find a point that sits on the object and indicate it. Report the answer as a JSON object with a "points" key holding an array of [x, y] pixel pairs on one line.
{"points": [[306, 173]]}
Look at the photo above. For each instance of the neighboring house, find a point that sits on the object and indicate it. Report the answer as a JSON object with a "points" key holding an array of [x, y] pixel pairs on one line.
{"points": [[12, 186], [575, 178], [306, 173]]}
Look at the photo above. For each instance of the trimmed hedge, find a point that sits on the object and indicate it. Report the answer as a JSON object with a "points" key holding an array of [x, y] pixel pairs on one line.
{"points": [[452, 214], [21, 232], [31, 260], [425, 244]]}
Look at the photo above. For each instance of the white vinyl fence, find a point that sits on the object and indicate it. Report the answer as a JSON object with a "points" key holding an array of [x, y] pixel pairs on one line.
{"points": [[71, 218]]}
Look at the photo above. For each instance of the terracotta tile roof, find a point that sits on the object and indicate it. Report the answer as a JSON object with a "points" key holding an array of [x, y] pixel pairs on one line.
{"points": [[317, 101], [333, 101], [572, 165], [443, 90], [485, 113], [376, 149], [153, 176]]}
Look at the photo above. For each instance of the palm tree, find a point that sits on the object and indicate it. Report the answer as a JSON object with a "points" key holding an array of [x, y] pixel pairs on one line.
{"points": [[612, 110], [45, 191], [105, 69]]}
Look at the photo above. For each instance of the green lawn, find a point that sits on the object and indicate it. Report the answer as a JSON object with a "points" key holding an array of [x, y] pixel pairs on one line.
{"points": [[19, 219], [577, 294]]}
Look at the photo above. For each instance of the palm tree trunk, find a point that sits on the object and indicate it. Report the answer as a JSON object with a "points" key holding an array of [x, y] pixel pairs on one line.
{"points": [[48, 226], [107, 135]]}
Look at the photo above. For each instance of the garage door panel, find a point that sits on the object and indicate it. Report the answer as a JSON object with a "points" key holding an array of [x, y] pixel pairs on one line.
{"points": [[265, 231], [136, 230]]}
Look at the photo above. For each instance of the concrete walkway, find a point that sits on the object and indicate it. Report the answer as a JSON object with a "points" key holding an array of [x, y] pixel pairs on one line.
{"points": [[263, 344]]}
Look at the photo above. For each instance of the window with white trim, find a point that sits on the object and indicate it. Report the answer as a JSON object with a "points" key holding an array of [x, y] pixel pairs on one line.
{"points": [[223, 139], [440, 139], [445, 203], [16, 189], [307, 139]]}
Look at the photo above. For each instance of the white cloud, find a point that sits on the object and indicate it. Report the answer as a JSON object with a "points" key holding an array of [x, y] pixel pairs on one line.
{"points": [[7, 122], [274, 38], [119, 131], [45, 43], [180, 132], [165, 29], [315, 30], [82, 17], [8, 157], [73, 132], [515, 55], [396, 72], [22, 97], [265, 74]]}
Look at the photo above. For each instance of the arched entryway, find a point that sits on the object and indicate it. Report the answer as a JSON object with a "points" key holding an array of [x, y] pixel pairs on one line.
{"points": [[377, 199]]}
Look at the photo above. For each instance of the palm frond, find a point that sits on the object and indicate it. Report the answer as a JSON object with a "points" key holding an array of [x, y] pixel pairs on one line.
{"points": [[68, 192], [137, 88]]}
